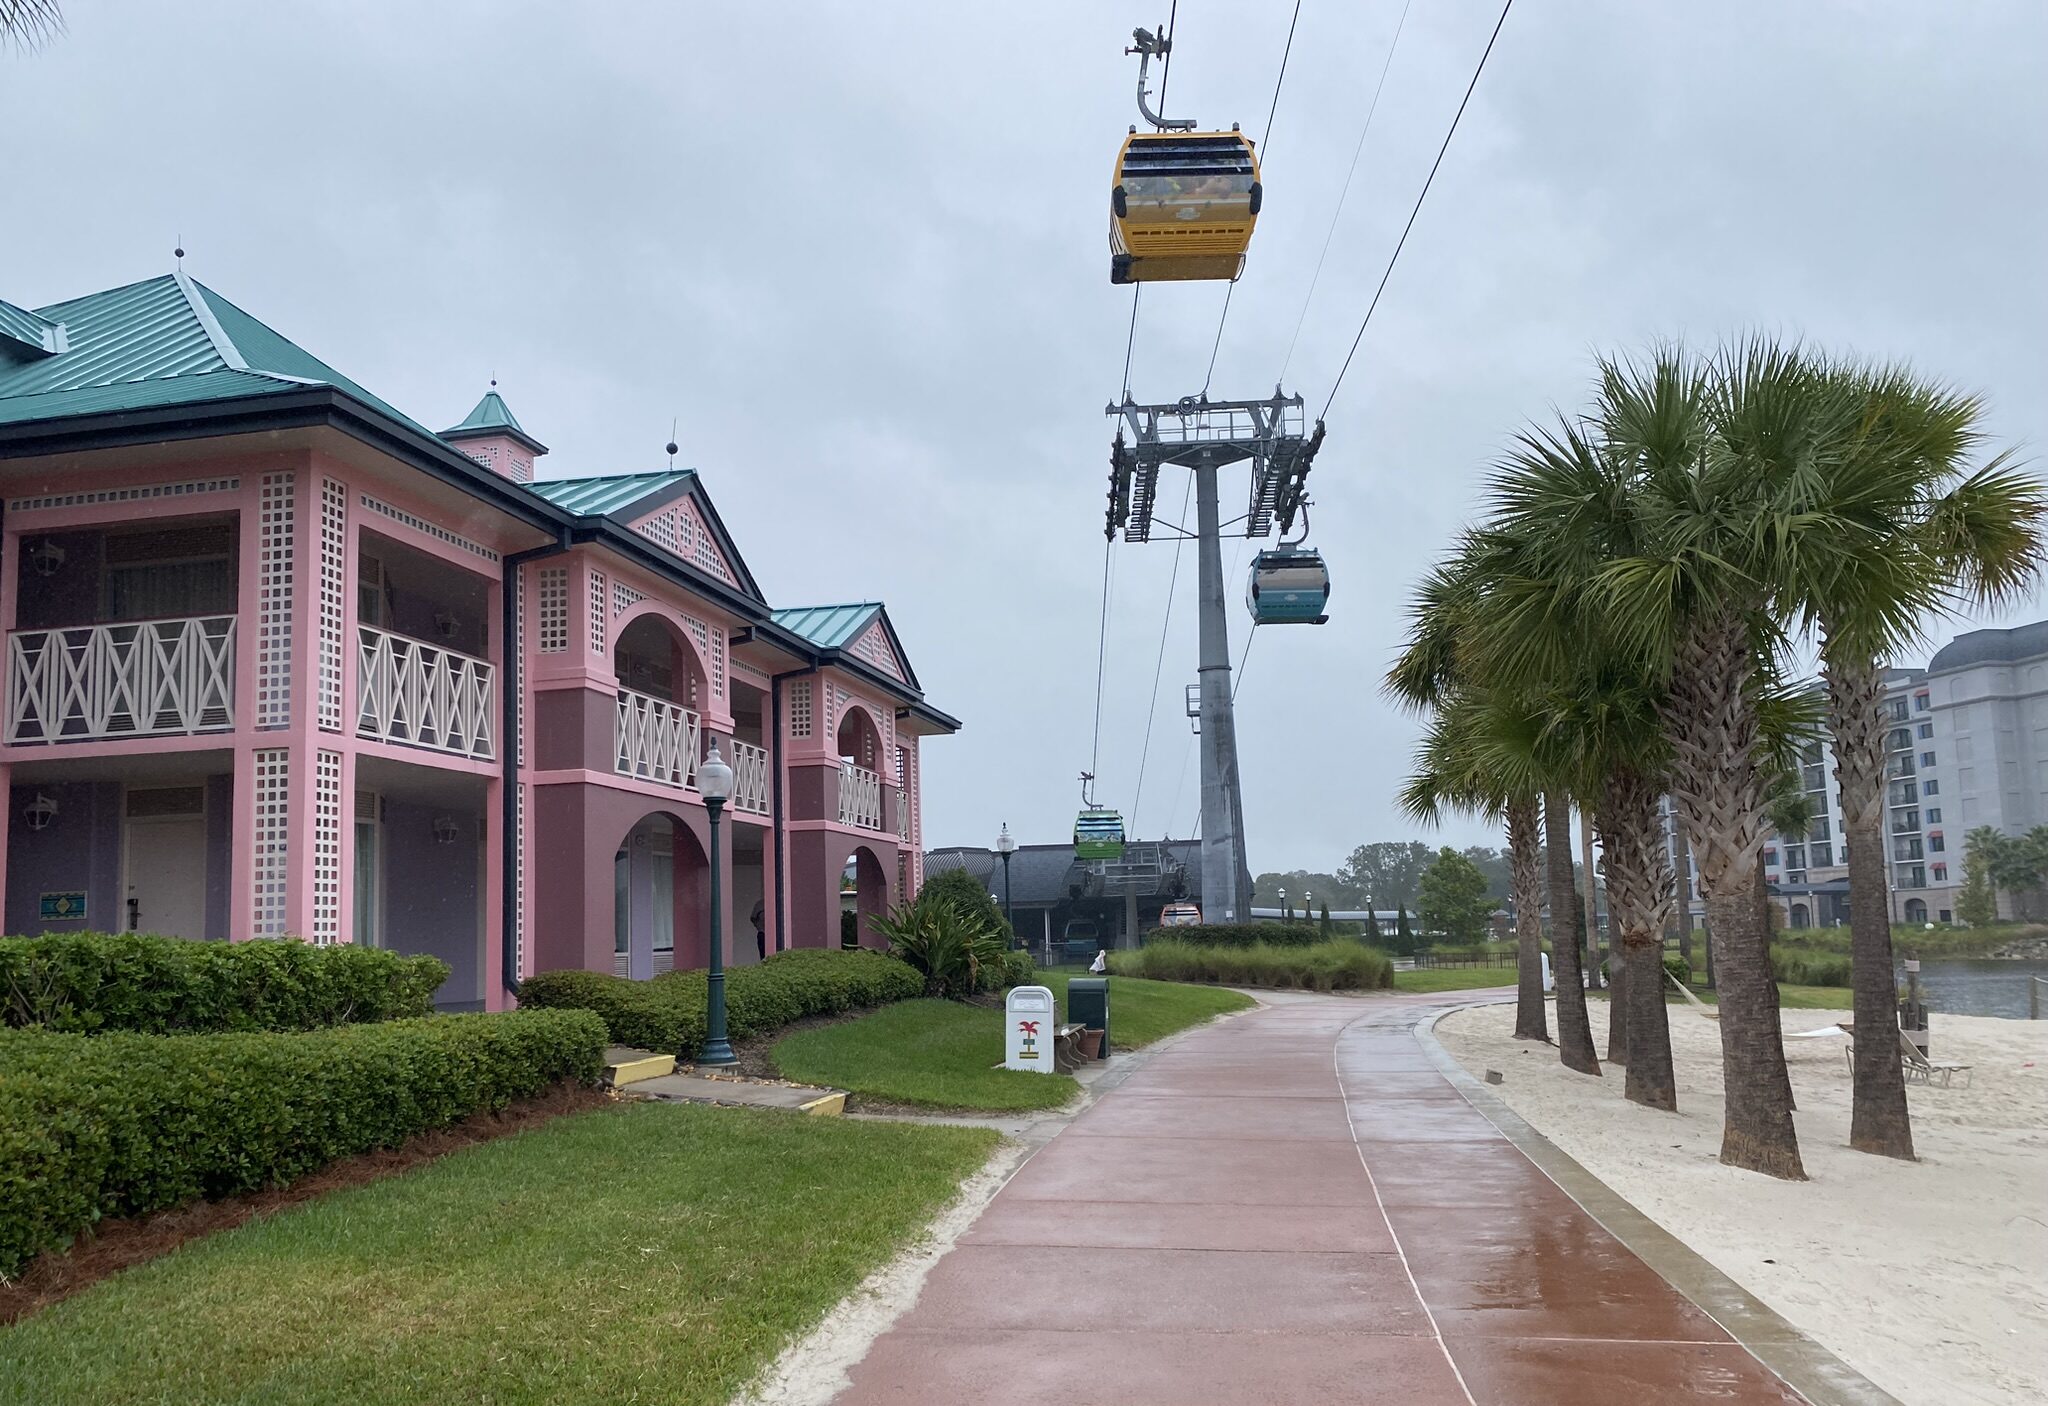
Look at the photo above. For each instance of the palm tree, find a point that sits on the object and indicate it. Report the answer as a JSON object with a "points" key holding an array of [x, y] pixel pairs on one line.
{"points": [[1452, 774], [1655, 519], [1891, 526], [28, 22]]}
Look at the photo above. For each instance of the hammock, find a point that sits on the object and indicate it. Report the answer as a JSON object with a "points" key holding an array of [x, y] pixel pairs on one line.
{"points": [[1686, 991]]}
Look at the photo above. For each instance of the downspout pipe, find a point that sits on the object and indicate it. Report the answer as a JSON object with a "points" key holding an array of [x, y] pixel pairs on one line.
{"points": [[513, 677], [781, 817]]}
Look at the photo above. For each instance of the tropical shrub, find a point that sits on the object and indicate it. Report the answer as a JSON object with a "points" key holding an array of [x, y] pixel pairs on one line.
{"points": [[953, 945], [91, 981], [667, 1013], [1339, 965], [1679, 968], [120, 1124], [965, 891]]}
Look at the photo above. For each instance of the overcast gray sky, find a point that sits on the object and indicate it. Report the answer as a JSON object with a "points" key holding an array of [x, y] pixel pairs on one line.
{"points": [[859, 252]]}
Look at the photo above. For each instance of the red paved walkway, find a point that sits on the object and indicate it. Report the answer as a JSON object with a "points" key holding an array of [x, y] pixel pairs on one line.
{"points": [[1294, 1206]]}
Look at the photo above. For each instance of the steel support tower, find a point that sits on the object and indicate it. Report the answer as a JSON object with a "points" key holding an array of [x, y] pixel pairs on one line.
{"points": [[1205, 437]]}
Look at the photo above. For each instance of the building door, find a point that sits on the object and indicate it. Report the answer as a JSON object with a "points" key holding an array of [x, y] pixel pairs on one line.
{"points": [[166, 862]]}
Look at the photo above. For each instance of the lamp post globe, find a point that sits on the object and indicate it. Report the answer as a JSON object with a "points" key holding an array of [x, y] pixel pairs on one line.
{"points": [[714, 784], [1006, 845]]}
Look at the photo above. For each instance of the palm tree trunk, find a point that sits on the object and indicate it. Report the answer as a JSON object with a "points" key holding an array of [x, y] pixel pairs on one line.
{"points": [[1574, 1031], [1710, 718], [1638, 906], [1682, 877], [1589, 931], [1617, 988], [1525, 865], [1878, 1121], [1763, 917]]}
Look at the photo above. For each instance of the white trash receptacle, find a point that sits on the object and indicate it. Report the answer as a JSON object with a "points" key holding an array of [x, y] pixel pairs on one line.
{"points": [[1549, 981], [1029, 1017]]}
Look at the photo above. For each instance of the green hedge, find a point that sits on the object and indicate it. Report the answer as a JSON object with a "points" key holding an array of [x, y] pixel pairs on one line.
{"points": [[121, 1124], [1797, 967], [92, 981], [1336, 965], [667, 1013], [1241, 935]]}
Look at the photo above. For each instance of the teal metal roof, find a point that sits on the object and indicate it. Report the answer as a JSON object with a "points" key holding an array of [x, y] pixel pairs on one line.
{"points": [[491, 413], [828, 626], [137, 395], [610, 493], [163, 341], [493, 416], [33, 334]]}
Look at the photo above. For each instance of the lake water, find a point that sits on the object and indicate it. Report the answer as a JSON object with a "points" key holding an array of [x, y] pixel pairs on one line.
{"points": [[1979, 985]]}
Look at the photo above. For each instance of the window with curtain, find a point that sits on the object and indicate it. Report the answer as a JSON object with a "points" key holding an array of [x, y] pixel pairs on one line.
{"points": [[169, 573]]}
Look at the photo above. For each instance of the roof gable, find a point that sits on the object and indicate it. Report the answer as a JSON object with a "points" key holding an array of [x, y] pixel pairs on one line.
{"points": [[670, 509], [861, 630]]}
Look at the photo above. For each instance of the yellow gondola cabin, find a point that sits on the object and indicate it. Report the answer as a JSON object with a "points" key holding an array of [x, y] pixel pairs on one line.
{"points": [[1183, 206]]}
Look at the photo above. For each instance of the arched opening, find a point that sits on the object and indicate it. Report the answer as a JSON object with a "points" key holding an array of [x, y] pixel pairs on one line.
{"points": [[661, 899], [1916, 911], [860, 770], [650, 656], [859, 742], [863, 894], [1802, 917]]}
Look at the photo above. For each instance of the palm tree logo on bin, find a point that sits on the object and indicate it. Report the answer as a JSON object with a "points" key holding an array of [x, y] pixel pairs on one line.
{"points": [[1029, 1030]]}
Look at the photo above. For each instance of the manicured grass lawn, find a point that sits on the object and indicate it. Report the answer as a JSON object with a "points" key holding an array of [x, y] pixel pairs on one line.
{"points": [[1453, 978], [1141, 1012], [941, 1054], [934, 1054], [648, 1252]]}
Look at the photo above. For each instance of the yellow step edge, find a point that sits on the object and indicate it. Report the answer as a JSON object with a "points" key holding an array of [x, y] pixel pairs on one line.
{"points": [[826, 1106], [632, 1071]]}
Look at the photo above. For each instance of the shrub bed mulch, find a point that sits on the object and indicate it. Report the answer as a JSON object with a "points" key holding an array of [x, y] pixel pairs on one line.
{"points": [[118, 1244]]}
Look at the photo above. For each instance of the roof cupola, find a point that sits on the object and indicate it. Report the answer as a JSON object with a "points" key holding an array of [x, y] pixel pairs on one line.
{"points": [[493, 437]]}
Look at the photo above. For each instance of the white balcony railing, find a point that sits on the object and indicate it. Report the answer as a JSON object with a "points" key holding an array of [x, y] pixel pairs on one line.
{"points": [[749, 778], [147, 678], [902, 814], [655, 740], [860, 797], [421, 695]]}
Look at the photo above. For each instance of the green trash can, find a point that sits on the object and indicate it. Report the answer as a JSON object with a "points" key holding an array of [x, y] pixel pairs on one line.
{"points": [[1088, 1005]]}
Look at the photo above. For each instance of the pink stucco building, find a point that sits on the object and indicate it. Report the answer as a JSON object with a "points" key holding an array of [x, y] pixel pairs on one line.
{"points": [[281, 661]]}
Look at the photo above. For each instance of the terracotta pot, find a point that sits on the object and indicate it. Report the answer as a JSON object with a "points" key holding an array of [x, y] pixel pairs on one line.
{"points": [[1091, 1044]]}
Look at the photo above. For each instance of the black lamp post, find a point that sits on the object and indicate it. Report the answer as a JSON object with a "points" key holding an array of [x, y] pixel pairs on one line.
{"points": [[714, 784], [1006, 846]]}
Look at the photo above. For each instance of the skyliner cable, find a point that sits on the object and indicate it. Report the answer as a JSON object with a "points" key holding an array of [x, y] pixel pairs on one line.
{"points": [[1422, 195], [1343, 194]]}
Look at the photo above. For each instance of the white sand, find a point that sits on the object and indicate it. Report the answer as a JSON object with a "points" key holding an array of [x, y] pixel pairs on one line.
{"points": [[1930, 1278]]}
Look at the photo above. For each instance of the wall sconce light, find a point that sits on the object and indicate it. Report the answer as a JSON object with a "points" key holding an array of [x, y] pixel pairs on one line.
{"points": [[40, 812], [446, 624], [445, 830], [47, 556]]}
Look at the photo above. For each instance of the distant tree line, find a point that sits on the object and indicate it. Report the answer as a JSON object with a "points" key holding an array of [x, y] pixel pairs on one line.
{"points": [[1385, 876]]}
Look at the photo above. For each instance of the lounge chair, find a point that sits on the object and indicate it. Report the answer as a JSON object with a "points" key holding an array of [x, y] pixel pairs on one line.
{"points": [[1918, 1067]]}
